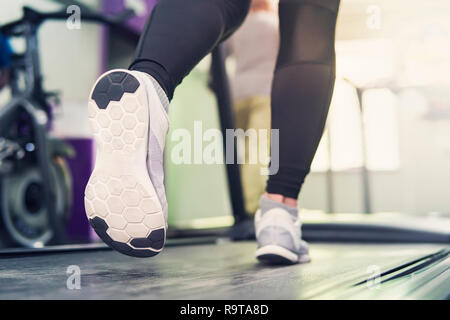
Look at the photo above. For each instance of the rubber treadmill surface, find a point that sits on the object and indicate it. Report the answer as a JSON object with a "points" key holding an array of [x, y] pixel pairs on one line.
{"points": [[217, 271]]}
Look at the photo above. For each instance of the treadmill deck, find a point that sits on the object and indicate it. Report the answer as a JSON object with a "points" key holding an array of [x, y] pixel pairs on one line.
{"points": [[224, 270]]}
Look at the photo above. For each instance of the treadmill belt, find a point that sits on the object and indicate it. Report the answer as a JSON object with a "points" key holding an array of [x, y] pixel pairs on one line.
{"points": [[228, 270]]}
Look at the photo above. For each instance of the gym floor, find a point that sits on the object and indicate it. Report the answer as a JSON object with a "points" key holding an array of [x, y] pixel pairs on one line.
{"points": [[220, 270]]}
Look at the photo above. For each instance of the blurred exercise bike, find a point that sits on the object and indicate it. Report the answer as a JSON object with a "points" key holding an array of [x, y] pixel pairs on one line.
{"points": [[35, 181]]}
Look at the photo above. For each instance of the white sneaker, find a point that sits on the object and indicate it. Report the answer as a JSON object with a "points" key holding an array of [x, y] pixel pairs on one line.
{"points": [[125, 198], [278, 234]]}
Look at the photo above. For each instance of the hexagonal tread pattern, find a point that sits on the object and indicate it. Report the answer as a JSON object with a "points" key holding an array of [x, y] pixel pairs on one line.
{"points": [[124, 213], [121, 125], [128, 213]]}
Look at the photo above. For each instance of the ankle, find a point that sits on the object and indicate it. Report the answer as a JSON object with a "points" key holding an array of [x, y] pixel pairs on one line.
{"points": [[160, 91], [291, 202], [274, 197]]}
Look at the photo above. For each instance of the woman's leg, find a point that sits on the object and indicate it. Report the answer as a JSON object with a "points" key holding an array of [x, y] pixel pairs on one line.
{"points": [[179, 33], [125, 196], [302, 88], [301, 95]]}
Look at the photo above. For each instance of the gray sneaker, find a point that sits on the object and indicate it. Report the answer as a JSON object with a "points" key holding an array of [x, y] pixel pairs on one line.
{"points": [[279, 240]]}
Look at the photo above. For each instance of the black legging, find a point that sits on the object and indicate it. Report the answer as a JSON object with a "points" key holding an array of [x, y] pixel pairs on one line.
{"points": [[179, 33]]}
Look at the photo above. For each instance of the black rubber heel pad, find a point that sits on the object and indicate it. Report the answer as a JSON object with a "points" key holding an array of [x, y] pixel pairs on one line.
{"points": [[112, 87], [156, 239], [273, 259]]}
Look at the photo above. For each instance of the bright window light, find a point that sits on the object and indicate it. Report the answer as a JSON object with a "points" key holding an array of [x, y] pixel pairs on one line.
{"points": [[365, 63]]}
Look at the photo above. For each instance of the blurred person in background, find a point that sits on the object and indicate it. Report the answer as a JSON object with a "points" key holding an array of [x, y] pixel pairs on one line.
{"points": [[178, 35], [251, 84]]}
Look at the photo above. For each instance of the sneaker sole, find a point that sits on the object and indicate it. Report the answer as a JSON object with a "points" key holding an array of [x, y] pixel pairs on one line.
{"points": [[120, 200], [276, 255]]}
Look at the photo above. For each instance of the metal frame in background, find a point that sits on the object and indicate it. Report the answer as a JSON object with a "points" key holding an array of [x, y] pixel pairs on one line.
{"points": [[224, 102], [33, 99], [242, 228]]}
